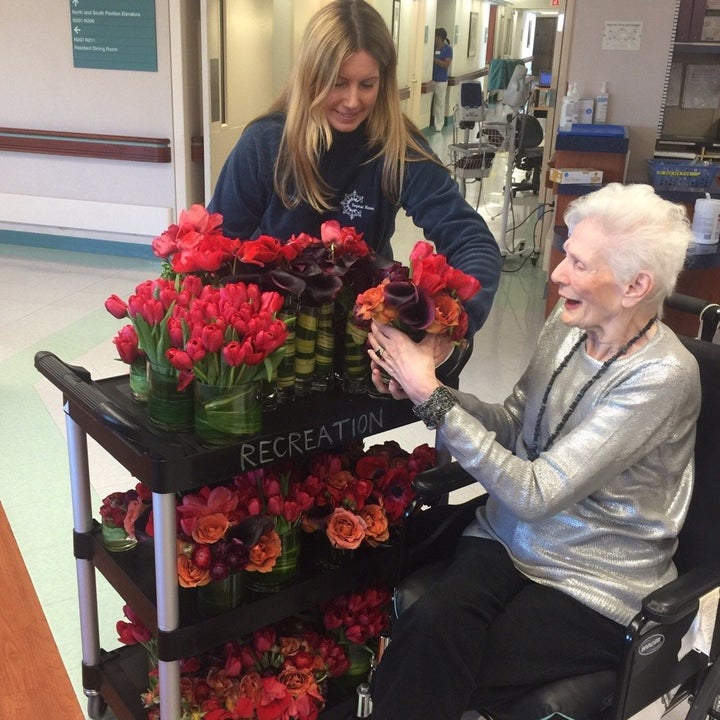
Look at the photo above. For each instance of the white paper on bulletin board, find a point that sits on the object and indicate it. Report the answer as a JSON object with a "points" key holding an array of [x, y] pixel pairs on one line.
{"points": [[702, 86], [622, 35]]}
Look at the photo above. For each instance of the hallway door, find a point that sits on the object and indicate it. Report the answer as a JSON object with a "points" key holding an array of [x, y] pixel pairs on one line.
{"points": [[237, 70]]}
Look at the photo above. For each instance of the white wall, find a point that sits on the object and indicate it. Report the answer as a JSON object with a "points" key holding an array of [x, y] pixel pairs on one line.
{"points": [[42, 90]]}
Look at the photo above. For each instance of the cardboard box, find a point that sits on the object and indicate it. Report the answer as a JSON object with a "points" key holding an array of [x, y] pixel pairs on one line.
{"points": [[576, 176]]}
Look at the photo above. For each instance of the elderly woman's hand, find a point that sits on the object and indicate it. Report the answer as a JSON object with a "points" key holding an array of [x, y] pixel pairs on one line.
{"points": [[410, 365]]}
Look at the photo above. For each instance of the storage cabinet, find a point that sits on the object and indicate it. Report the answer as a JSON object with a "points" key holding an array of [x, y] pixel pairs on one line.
{"points": [[691, 102], [168, 463]]}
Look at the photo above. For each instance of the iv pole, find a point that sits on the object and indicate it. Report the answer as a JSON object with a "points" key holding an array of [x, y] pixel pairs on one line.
{"points": [[515, 96]]}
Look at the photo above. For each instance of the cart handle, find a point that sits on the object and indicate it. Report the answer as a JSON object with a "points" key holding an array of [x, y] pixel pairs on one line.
{"points": [[77, 384]]}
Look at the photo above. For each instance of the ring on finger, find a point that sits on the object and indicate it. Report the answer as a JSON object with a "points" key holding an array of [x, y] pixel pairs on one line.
{"points": [[380, 351]]}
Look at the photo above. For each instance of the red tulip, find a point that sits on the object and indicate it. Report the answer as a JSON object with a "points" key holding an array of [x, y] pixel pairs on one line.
{"points": [[117, 307]]}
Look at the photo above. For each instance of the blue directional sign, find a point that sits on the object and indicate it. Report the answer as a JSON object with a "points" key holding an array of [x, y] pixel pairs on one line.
{"points": [[114, 34]]}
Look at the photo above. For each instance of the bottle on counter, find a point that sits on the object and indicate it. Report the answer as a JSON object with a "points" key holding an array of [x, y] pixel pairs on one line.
{"points": [[601, 104], [570, 108]]}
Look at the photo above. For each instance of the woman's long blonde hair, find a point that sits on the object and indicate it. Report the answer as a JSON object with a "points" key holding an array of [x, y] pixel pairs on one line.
{"points": [[334, 33]]}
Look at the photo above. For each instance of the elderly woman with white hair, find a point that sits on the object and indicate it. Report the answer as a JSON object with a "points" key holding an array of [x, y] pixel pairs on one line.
{"points": [[587, 465]]}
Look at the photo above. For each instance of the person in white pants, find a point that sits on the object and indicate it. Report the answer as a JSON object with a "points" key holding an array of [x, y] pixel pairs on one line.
{"points": [[441, 63]]}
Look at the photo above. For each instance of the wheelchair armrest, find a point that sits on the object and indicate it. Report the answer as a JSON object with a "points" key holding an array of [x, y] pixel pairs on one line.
{"points": [[680, 597], [435, 482]]}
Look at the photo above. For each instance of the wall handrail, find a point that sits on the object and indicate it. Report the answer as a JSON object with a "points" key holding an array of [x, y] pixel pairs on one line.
{"points": [[108, 147]]}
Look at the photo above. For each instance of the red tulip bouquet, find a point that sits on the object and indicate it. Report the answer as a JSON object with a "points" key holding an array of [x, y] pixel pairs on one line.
{"points": [[157, 310]]}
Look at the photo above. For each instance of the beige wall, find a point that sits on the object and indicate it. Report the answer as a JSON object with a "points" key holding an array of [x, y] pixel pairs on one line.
{"points": [[635, 78]]}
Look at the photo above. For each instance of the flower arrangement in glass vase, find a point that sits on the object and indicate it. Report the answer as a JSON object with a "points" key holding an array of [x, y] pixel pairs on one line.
{"points": [[119, 513], [276, 492], [157, 310], [360, 496], [427, 297], [357, 620], [129, 352], [132, 631], [196, 245], [234, 340], [277, 673], [216, 540]]}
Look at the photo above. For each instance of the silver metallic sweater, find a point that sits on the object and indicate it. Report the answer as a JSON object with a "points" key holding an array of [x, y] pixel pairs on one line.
{"points": [[597, 514]]}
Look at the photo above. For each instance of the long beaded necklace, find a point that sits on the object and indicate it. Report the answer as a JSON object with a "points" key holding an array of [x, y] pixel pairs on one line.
{"points": [[533, 451]]}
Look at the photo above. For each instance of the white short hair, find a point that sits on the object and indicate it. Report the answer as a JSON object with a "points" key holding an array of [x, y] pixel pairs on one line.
{"points": [[644, 233]]}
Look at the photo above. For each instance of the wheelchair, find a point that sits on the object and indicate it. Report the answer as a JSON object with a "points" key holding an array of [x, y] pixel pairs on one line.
{"points": [[653, 668]]}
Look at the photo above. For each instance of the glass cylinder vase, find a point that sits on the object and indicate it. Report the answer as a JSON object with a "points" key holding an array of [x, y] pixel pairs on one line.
{"points": [[225, 414], [324, 372], [168, 408], [356, 363], [138, 379], [306, 331], [115, 538], [286, 565], [285, 381], [220, 596]]}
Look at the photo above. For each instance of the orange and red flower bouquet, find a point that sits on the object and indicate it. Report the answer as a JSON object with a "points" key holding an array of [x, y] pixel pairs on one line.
{"points": [[426, 298]]}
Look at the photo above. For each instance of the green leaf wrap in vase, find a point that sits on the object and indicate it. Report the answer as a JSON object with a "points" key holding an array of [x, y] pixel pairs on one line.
{"points": [[360, 657], [285, 380], [306, 331], [138, 379], [225, 414], [356, 363], [286, 565], [324, 373], [220, 596], [116, 538], [168, 407]]}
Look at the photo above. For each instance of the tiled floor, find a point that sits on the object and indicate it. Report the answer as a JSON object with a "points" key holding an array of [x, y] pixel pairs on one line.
{"points": [[65, 314]]}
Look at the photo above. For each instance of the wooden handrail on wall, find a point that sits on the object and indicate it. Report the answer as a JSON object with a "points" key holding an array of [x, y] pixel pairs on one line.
{"points": [[108, 147]]}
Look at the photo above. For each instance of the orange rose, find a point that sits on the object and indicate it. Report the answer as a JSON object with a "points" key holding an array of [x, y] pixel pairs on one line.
{"points": [[265, 553], [377, 524], [218, 680], [298, 682], [290, 646], [210, 528], [248, 695], [370, 305], [340, 480], [189, 574], [345, 529], [447, 314]]}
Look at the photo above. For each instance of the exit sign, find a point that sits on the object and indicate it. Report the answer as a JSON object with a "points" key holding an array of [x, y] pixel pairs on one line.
{"points": [[114, 34]]}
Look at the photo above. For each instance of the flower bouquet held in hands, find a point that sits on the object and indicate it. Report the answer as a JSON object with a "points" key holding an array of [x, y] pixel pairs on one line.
{"points": [[427, 297]]}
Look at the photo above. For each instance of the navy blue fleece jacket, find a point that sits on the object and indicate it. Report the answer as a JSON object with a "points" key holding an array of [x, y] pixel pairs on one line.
{"points": [[246, 198]]}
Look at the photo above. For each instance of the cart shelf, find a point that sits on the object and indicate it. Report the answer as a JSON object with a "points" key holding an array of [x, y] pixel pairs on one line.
{"points": [[170, 463], [132, 574]]}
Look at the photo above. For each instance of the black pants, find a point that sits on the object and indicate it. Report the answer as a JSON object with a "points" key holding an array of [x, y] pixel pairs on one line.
{"points": [[485, 625]]}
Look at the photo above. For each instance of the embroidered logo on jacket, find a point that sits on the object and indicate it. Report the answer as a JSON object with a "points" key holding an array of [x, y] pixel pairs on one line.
{"points": [[354, 204]]}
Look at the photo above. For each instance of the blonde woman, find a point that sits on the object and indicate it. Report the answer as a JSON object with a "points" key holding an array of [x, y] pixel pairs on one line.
{"points": [[336, 146]]}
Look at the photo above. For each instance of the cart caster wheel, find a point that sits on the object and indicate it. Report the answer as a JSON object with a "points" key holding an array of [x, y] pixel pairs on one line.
{"points": [[96, 707]]}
